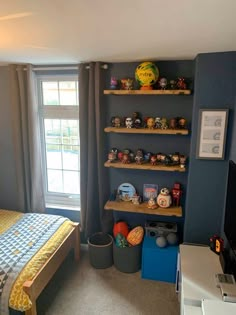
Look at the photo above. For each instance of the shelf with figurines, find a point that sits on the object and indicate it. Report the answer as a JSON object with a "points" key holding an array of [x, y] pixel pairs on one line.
{"points": [[166, 203], [149, 125], [142, 160], [148, 81]]}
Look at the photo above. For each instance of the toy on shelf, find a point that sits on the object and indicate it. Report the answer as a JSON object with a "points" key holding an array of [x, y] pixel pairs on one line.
{"points": [[129, 122], [164, 199], [162, 83], [176, 192], [150, 123], [127, 84], [181, 84], [114, 83], [152, 203], [146, 75]]}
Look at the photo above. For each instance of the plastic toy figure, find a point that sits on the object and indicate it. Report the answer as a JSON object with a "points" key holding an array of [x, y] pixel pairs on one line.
{"points": [[152, 203], [182, 160], [126, 84], [164, 124], [113, 83], [153, 160], [182, 123], [173, 123], [125, 158], [164, 198], [176, 194], [180, 84], [157, 123], [150, 123], [175, 158], [172, 84], [139, 158], [117, 122], [129, 122], [162, 83]]}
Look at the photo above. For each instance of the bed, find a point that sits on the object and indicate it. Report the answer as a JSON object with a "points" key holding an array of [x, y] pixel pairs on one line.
{"points": [[32, 247]]}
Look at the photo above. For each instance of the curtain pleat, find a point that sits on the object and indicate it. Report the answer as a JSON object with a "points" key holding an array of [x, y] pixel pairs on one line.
{"points": [[94, 179], [26, 139]]}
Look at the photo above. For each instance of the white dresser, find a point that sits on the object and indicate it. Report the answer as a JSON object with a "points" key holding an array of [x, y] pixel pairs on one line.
{"points": [[198, 266]]}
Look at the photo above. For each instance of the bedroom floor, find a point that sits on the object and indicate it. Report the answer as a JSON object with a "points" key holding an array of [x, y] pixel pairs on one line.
{"points": [[81, 289]]}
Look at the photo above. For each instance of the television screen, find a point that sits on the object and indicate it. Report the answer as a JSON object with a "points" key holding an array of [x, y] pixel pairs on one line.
{"points": [[230, 209]]}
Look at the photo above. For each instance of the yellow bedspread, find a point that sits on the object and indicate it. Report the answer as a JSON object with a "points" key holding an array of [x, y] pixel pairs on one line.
{"points": [[19, 300]]}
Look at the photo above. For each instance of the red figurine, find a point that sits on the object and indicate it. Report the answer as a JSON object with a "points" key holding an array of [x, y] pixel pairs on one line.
{"points": [[176, 194], [181, 85]]}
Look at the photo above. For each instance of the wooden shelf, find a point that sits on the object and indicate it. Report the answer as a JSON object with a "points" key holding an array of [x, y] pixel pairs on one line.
{"points": [[128, 206], [147, 92], [145, 166], [147, 131]]}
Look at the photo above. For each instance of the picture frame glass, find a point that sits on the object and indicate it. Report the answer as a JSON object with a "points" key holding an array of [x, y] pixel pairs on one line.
{"points": [[212, 134]]}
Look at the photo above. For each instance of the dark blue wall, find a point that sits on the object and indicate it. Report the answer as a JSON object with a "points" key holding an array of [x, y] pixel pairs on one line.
{"points": [[214, 89]]}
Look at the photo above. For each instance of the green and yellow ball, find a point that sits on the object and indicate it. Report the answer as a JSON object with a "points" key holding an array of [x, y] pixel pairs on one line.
{"points": [[146, 74]]}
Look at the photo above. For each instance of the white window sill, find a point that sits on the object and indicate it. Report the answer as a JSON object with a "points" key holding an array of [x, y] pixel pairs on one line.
{"points": [[62, 207]]}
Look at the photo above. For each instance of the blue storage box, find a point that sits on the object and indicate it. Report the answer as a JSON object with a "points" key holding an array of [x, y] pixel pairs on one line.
{"points": [[159, 263]]}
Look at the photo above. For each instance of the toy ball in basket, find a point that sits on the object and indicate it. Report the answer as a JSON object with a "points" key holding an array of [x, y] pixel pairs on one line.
{"points": [[135, 236], [146, 74]]}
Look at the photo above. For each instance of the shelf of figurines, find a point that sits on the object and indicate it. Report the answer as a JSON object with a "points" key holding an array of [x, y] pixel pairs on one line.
{"points": [[128, 206], [145, 166], [147, 92], [146, 131]]}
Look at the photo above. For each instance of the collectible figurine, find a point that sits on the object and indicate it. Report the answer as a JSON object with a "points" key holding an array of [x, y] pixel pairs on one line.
{"points": [[127, 84], [180, 84], [162, 83], [159, 156], [152, 203], [164, 124], [164, 198], [129, 122], [162, 158], [181, 123], [120, 155], [111, 157], [113, 83], [157, 123], [176, 194], [172, 84], [182, 161], [139, 158], [117, 122], [153, 160], [136, 199], [175, 158], [173, 123], [137, 123], [150, 123], [147, 156], [125, 158]]}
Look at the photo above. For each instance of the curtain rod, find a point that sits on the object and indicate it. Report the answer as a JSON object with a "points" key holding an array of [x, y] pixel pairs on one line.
{"points": [[105, 66]]}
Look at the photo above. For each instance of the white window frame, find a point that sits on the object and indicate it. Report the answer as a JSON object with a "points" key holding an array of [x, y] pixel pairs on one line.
{"points": [[56, 200]]}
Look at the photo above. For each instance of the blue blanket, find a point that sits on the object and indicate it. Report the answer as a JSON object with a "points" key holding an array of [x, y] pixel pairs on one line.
{"points": [[18, 245]]}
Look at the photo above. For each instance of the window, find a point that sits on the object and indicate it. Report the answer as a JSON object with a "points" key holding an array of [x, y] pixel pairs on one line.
{"points": [[59, 120]]}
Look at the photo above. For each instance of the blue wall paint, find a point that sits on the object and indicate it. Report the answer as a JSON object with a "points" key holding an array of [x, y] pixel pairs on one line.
{"points": [[214, 89]]}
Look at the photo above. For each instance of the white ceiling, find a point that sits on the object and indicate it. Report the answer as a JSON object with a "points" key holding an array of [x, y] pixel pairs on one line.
{"points": [[73, 31]]}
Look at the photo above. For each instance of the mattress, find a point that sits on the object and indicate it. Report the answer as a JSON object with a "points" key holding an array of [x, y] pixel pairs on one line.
{"points": [[18, 299]]}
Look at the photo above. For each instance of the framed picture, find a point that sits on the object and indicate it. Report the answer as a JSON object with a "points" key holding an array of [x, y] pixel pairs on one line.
{"points": [[212, 133], [149, 191]]}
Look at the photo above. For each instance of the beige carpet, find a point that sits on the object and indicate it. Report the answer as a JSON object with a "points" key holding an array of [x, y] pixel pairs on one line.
{"points": [[83, 290]]}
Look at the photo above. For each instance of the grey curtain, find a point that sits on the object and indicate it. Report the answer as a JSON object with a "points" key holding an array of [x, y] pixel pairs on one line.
{"points": [[94, 181], [26, 139]]}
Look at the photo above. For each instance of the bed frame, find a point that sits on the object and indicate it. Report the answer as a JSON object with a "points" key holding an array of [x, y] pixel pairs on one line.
{"points": [[35, 286]]}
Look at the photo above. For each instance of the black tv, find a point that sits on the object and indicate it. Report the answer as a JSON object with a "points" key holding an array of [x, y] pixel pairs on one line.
{"points": [[230, 207]]}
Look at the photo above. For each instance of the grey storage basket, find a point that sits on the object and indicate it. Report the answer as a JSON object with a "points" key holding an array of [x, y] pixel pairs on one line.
{"points": [[101, 250]]}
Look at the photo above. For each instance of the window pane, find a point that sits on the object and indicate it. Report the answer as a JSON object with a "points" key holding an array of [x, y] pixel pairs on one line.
{"points": [[67, 91], [55, 181], [71, 182], [54, 157], [50, 93], [71, 157]]}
